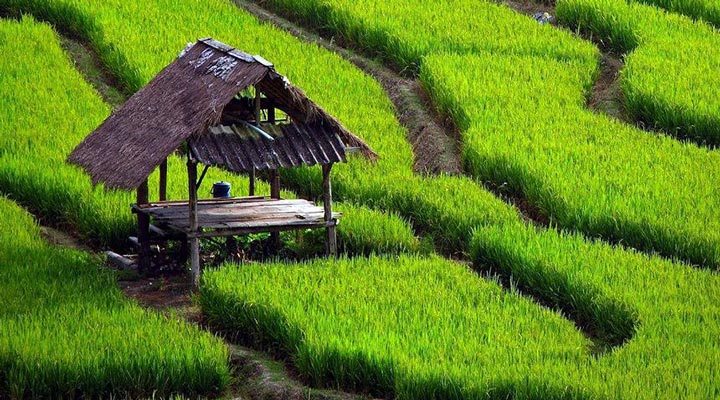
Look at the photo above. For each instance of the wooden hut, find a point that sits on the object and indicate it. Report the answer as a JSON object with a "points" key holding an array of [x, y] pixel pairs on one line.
{"points": [[217, 106]]}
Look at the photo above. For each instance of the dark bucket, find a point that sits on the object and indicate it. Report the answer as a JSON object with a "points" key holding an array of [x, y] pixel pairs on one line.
{"points": [[221, 189]]}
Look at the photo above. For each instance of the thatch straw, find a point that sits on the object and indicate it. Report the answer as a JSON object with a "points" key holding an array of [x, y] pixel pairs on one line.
{"points": [[184, 99]]}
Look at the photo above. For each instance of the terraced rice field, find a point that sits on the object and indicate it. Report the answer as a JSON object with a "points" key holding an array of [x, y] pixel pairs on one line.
{"points": [[616, 295]]}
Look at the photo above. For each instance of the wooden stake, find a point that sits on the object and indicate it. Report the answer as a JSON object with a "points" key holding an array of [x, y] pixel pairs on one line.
{"points": [[258, 97], [275, 194], [192, 205], [162, 195], [143, 233], [251, 183], [331, 243], [270, 112]]}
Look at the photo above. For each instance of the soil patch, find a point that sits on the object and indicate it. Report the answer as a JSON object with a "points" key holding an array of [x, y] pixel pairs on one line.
{"points": [[607, 96], [62, 239]]}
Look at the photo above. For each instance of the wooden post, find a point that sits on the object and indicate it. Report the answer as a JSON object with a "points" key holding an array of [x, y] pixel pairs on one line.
{"points": [[331, 243], [143, 233], [270, 112], [258, 95], [275, 194], [192, 206], [162, 195], [251, 183]]}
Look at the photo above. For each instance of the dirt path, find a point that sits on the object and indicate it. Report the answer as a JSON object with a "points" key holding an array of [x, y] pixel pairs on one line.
{"points": [[256, 375], [94, 71], [606, 96], [435, 140]]}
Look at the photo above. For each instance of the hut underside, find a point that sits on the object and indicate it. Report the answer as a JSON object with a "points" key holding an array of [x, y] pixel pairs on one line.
{"points": [[236, 216]]}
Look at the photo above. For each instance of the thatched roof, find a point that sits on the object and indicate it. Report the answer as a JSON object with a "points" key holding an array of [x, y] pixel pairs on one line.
{"points": [[184, 100]]}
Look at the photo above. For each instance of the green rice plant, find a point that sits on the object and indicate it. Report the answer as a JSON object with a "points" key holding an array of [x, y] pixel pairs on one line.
{"points": [[66, 330], [36, 75], [428, 328], [407, 328], [404, 31], [708, 10], [675, 350], [447, 208], [672, 72], [525, 126], [367, 232]]}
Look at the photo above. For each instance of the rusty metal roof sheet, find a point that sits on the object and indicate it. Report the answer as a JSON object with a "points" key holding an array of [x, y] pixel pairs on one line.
{"points": [[242, 147]]}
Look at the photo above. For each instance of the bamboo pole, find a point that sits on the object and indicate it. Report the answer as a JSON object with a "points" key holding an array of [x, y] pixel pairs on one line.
{"points": [[143, 233], [258, 98], [192, 206], [274, 181], [331, 242], [162, 195]]}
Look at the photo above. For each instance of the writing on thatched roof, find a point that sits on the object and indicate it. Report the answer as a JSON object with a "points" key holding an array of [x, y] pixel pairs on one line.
{"points": [[197, 91]]}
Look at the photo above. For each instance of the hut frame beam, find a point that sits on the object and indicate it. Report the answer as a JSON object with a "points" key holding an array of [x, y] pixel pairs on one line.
{"points": [[194, 241], [143, 233], [331, 238], [162, 190]]}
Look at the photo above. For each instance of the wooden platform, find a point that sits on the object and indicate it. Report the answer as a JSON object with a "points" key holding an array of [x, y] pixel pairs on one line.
{"points": [[237, 216]]}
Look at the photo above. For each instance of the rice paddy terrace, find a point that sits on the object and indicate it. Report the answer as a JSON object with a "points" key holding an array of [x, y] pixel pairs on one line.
{"points": [[572, 253]]}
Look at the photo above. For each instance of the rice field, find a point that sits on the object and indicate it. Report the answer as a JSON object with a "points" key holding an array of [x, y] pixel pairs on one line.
{"points": [[674, 350], [67, 331], [658, 45], [575, 317], [525, 124], [707, 10], [407, 328], [34, 172]]}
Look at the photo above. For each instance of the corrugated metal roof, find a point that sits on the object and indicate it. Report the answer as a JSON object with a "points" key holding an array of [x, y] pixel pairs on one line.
{"points": [[241, 147]]}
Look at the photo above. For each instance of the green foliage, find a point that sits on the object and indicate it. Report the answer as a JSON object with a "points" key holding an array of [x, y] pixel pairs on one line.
{"points": [[672, 72], [138, 44], [404, 31], [366, 232], [526, 126], [675, 348], [708, 10], [414, 328], [67, 331], [37, 75]]}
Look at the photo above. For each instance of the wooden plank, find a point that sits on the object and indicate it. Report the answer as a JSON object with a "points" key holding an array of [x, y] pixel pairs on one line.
{"points": [[171, 203], [233, 208], [238, 212], [250, 217]]}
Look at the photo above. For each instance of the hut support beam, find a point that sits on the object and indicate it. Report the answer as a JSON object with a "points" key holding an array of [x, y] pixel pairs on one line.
{"points": [[274, 179], [192, 206], [162, 192], [331, 241], [251, 183], [257, 105], [275, 194], [143, 233]]}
